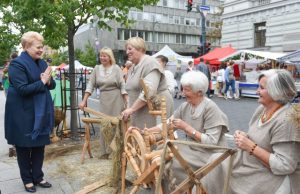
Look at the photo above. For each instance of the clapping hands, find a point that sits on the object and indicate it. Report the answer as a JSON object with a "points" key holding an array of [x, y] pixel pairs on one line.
{"points": [[46, 76]]}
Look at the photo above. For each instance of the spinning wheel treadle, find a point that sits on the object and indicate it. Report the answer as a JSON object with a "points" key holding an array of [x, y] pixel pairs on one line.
{"points": [[135, 144]]}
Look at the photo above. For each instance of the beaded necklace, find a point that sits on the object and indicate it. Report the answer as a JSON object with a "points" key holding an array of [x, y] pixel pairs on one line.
{"points": [[265, 117]]}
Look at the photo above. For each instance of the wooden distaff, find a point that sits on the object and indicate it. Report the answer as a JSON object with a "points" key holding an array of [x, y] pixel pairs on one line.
{"points": [[163, 109]]}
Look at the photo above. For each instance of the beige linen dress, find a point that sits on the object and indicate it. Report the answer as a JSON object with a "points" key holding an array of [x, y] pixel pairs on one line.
{"points": [[153, 74], [208, 119], [112, 87], [281, 138]]}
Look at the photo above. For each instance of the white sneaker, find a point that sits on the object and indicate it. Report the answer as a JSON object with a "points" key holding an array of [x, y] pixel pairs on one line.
{"points": [[236, 97], [229, 97]]}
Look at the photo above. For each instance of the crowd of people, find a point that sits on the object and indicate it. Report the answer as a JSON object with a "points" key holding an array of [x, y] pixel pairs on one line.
{"points": [[268, 151]]}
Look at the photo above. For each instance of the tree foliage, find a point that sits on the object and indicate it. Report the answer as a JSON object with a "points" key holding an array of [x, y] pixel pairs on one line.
{"points": [[87, 57], [59, 20]]}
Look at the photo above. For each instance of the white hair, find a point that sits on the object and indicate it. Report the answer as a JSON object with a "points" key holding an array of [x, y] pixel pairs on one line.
{"points": [[196, 80], [280, 85]]}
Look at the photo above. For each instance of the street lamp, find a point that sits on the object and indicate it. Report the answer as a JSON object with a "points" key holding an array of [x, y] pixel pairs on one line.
{"points": [[153, 34], [94, 24], [203, 10]]}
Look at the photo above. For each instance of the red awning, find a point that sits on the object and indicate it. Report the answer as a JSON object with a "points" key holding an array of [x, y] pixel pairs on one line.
{"points": [[216, 54]]}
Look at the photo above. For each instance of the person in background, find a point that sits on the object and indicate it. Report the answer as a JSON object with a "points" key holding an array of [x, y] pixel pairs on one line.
{"points": [[107, 76], [270, 149], [190, 66], [5, 81], [177, 77], [171, 82], [202, 67], [127, 65], [29, 110], [147, 68], [230, 81], [221, 79]]}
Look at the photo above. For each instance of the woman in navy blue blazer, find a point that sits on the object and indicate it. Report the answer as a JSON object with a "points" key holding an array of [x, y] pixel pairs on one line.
{"points": [[29, 113]]}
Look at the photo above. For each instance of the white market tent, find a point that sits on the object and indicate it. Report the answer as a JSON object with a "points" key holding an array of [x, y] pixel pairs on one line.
{"points": [[78, 66], [172, 55], [263, 54], [258, 57]]}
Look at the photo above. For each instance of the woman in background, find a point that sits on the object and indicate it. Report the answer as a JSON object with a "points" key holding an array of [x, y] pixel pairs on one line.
{"points": [[108, 77]]}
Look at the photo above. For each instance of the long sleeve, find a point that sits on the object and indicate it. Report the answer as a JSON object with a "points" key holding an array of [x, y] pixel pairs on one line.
{"points": [[92, 82], [211, 136], [152, 81], [283, 160], [19, 80]]}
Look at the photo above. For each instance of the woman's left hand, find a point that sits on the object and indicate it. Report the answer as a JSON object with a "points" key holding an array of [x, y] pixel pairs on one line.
{"points": [[126, 113], [243, 142]]}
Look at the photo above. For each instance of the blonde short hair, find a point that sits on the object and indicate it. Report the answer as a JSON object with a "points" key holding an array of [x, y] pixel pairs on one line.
{"points": [[108, 52], [28, 38], [137, 43]]}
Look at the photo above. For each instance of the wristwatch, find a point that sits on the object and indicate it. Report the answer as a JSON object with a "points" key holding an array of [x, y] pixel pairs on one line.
{"points": [[194, 134]]}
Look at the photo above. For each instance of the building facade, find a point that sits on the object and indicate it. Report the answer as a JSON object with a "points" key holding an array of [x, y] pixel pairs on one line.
{"points": [[271, 25], [165, 23]]}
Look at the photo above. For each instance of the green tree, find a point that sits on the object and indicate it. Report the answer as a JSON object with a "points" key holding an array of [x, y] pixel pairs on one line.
{"points": [[87, 57], [59, 20], [7, 43]]}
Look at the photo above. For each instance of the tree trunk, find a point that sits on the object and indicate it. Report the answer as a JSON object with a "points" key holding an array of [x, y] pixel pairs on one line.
{"points": [[74, 103]]}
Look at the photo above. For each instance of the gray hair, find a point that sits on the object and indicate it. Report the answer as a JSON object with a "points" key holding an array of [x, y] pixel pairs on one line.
{"points": [[196, 80], [280, 85]]}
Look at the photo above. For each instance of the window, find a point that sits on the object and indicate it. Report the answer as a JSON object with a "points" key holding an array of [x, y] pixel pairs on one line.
{"points": [[260, 34], [178, 38], [183, 39], [160, 37], [176, 19], [141, 34], [193, 22], [187, 21], [263, 2], [166, 38], [165, 18], [172, 38], [120, 34], [126, 34], [165, 3], [133, 33], [171, 19], [182, 20], [148, 36]]}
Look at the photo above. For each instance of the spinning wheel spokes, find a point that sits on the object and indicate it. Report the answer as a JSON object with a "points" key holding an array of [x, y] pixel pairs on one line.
{"points": [[136, 145]]}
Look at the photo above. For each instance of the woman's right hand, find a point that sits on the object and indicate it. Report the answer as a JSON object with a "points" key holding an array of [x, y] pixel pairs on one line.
{"points": [[81, 105]]}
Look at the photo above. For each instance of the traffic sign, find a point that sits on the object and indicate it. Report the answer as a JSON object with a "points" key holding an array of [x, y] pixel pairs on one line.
{"points": [[204, 7]]}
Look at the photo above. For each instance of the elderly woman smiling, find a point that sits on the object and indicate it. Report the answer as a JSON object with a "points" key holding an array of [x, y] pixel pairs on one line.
{"points": [[268, 160], [198, 119], [147, 68]]}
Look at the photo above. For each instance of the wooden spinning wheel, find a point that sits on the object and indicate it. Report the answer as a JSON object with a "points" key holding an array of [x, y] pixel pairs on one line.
{"points": [[135, 144]]}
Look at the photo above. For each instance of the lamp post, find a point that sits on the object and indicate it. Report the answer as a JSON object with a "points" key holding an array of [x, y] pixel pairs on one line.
{"points": [[153, 34], [97, 43], [203, 21]]}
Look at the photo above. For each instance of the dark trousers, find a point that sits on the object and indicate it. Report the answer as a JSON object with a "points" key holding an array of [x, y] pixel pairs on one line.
{"points": [[30, 162]]}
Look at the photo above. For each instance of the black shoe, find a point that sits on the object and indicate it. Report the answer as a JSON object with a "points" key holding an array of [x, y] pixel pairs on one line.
{"points": [[31, 189], [44, 185]]}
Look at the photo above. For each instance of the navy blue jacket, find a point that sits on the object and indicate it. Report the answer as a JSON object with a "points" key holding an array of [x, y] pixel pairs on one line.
{"points": [[19, 107]]}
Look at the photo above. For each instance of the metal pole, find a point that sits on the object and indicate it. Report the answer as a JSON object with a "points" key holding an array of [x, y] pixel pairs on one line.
{"points": [[203, 41]]}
